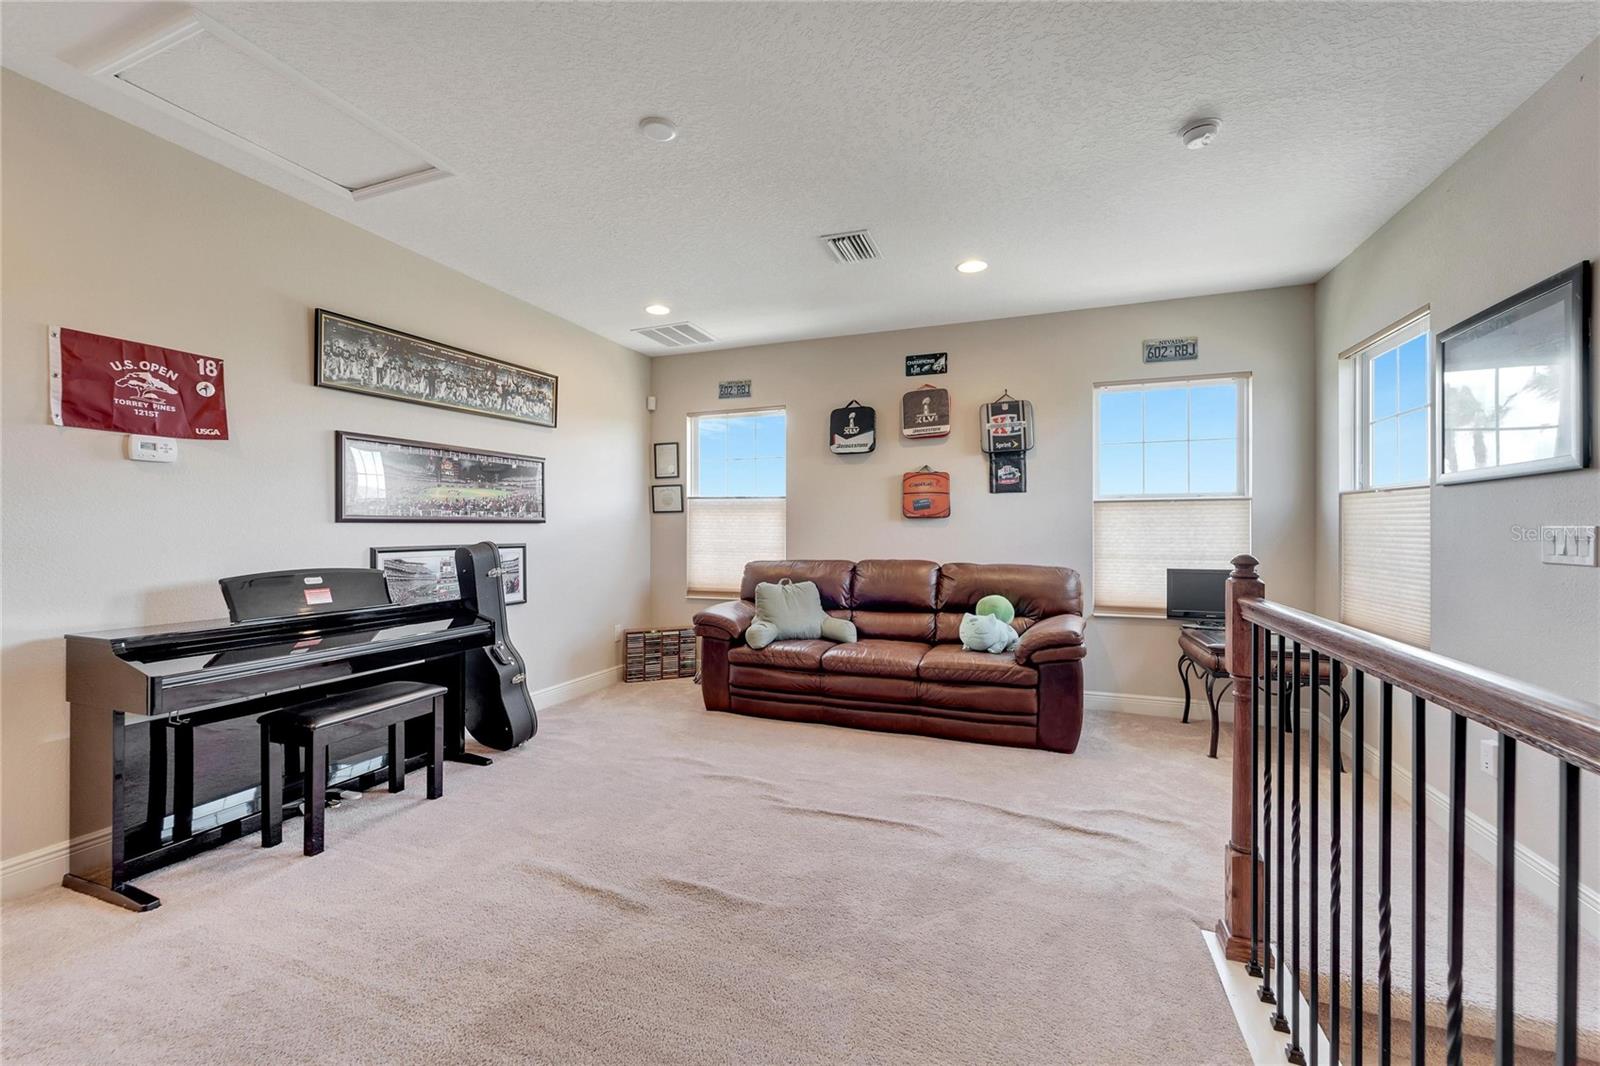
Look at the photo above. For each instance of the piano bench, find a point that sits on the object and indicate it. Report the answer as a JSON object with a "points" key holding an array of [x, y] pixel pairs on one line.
{"points": [[311, 727]]}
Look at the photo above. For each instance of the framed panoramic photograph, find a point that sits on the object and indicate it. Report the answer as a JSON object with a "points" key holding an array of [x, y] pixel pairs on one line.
{"points": [[666, 456], [427, 573], [666, 499], [386, 479], [1514, 384], [364, 357]]}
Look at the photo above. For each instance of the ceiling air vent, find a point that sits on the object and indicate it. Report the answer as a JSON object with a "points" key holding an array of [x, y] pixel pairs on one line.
{"points": [[676, 335], [853, 247]]}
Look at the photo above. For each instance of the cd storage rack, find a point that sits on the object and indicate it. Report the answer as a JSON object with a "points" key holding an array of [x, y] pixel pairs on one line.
{"points": [[659, 654]]}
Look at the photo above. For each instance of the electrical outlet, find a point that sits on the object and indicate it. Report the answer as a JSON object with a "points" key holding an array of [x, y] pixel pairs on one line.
{"points": [[1567, 545], [616, 632], [1489, 756]]}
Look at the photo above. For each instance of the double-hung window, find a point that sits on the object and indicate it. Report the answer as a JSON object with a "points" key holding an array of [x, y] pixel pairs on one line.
{"points": [[1384, 513], [736, 504], [1171, 485]]}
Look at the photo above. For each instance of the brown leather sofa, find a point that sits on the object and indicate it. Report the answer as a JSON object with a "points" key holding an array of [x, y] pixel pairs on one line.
{"points": [[907, 672]]}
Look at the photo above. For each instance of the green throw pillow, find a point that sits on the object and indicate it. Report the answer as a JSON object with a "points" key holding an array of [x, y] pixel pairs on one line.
{"points": [[793, 611], [998, 606]]}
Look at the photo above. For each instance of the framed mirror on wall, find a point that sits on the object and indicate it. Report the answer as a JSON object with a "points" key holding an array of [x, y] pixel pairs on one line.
{"points": [[1514, 394]]}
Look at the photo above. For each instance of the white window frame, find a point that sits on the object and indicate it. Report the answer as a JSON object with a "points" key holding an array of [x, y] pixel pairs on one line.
{"points": [[1355, 429], [691, 450], [1241, 434], [695, 500], [1408, 329]]}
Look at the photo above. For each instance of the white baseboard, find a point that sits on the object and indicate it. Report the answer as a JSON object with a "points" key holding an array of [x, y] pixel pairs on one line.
{"points": [[43, 867], [578, 686], [1534, 872], [1159, 706]]}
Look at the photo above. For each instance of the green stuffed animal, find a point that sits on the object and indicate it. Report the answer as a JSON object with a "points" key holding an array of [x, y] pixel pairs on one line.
{"points": [[998, 606], [989, 629]]}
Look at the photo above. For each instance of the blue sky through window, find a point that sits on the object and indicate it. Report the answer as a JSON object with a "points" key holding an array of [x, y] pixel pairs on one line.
{"points": [[1169, 439], [1397, 415], [740, 455]]}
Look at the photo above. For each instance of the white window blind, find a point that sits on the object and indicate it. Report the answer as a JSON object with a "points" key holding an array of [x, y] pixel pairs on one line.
{"points": [[1384, 583], [1135, 541], [727, 532]]}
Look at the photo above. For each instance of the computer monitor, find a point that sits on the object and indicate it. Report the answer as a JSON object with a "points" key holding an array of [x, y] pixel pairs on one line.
{"points": [[1197, 595]]}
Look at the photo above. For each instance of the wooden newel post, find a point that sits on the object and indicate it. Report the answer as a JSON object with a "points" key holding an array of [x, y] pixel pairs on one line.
{"points": [[1239, 868]]}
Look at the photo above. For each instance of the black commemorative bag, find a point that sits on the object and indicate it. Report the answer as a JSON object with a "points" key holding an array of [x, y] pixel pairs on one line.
{"points": [[852, 429]]}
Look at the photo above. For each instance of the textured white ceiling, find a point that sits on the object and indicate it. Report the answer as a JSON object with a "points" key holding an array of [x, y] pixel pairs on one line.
{"points": [[1041, 137]]}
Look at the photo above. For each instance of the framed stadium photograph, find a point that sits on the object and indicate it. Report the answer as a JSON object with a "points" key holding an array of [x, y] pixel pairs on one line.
{"points": [[427, 573], [359, 356], [386, 479]]}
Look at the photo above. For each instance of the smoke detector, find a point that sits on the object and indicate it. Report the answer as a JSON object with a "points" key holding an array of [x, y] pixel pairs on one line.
{"points": [[1196, 135]]}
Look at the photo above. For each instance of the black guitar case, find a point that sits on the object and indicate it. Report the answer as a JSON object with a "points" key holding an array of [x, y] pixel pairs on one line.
{"points": [[499, 711]]}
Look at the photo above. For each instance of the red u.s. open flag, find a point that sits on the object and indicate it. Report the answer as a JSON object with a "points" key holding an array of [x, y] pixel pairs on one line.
{"points": [[101, 382]]}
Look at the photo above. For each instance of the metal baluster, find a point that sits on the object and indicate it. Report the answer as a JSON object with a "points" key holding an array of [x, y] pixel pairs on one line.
{"points": [[1253, 967], [1385, 869], [1335, 859], [1457, 887], [1505, 902], [1264, 993], [1358, 847], [1292, 1051], [1419, 877], [1567, 921], [1279, 1021], [1312, 924]]}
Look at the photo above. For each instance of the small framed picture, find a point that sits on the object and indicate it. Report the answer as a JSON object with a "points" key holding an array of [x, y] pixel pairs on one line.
{"points": [[666, 455], [666, 499]]}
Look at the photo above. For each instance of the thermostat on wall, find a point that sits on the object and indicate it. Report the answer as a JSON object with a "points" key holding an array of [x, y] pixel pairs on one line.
{"points": [[152, 449]]}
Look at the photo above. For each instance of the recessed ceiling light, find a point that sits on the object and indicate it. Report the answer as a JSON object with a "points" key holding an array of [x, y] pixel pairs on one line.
{"points": [[657, 128], [1199, 133], [972, 266], [657, 309]]}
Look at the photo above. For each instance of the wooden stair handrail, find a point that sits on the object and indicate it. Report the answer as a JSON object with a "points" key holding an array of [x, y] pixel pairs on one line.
{"points": [[1567, 728]]}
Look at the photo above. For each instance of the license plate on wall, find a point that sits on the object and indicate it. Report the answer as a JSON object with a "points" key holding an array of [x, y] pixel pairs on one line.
{"points": [[1172, 350]]}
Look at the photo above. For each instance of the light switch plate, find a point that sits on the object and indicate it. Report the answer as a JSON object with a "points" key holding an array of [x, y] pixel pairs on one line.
{"points": [[152, 449], [1567, 545]]}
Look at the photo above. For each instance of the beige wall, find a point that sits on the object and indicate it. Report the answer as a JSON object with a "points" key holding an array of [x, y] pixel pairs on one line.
{"points": [[112, 230], [1521, 205], [849, 506]]}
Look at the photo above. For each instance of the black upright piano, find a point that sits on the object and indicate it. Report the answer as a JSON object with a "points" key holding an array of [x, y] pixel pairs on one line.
{"points": [[165, 745]]}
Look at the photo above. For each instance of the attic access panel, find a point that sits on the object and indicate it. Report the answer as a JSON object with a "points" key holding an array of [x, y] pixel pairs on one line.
{"points": [[214, 80]]}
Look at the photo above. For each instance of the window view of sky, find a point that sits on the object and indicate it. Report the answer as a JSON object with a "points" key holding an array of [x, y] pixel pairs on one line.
{"points": [[1169, 440], [740, 455], [1398, 415]]}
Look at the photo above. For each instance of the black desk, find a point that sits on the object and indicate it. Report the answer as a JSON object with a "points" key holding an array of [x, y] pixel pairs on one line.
{"points": [[1202, 655]]}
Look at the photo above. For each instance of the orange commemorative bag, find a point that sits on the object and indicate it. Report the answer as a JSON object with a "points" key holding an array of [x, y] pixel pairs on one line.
{"points": [[925, 493]]}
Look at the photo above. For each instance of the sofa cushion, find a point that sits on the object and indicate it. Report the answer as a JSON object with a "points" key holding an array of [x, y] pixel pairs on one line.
{"points": [[767, 679], [990, 699], [894, 625], [866, 687], [831, 576], [1035, 591], [953, 663], [782, 654], [878, 658], [895, 584]]}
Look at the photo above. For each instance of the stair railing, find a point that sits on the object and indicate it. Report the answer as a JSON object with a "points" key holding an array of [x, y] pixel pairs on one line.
{"points": [[1270, 648]]}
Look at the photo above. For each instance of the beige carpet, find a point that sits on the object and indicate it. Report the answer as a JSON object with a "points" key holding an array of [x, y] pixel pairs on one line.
{"points": [[648, 882]]}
